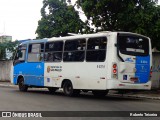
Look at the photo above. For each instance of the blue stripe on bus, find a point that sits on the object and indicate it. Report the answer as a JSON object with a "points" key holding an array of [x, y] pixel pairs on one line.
{"points": [[143, 68], [33, 73]]}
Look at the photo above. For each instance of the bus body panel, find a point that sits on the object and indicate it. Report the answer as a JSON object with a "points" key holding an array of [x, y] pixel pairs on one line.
{"points": [[81, 75], [33, 73], [19, 71], [142, 69], [135, 67]]}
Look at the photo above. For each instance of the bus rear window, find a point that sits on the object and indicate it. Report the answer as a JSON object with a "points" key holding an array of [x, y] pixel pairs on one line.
{"points": [[133, 45]]}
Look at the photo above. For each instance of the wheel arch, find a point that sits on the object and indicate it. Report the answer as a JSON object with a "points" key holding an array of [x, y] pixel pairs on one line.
{"points": [[65, 80], [19, 77]]}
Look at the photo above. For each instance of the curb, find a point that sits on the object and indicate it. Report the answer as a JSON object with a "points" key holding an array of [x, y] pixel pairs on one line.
{"points": [[136, 96], [5, 81], [7, 85], [145, 97]]}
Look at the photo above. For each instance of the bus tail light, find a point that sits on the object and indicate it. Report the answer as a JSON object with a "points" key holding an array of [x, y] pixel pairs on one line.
{"points": [[114, 66], [114, 70], [151, 72]]}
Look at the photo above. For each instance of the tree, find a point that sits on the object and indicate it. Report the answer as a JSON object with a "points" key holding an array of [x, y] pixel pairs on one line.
{"points": [[154, 29], [7, 47], [58, 19], [140, 16]]}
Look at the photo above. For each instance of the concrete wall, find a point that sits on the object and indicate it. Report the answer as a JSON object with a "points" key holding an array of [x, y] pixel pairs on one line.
{"points": [[5, 70], [156, 70]]}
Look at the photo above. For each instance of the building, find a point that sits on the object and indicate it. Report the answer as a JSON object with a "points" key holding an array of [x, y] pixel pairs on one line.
{"points": [[5, 38]]}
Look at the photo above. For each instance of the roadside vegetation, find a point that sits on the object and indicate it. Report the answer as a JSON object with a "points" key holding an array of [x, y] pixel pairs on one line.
{"points": [[60, 17]]}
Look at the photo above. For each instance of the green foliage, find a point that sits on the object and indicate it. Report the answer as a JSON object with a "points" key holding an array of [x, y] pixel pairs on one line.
{"points": [[154, 29], [58, 19], [140, 16], [7, 46]]}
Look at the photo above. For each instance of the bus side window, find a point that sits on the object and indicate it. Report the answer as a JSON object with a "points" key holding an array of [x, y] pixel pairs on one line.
{"points": [[35, 52], [96, 49], [74, 50], [53, 51]]}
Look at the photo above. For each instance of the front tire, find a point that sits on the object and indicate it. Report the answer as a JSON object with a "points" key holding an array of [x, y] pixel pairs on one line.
{"points": [[68, 89], [22, 86]]}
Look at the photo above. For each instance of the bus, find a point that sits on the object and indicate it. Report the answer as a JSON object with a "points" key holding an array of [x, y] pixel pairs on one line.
{"points": [[96, 62]]}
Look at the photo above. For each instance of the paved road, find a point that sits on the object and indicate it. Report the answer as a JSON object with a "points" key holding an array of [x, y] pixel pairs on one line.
{"points": [[11, 99]]}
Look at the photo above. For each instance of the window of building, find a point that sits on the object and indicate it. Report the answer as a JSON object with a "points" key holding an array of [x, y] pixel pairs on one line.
{"points": [[96, 49], [35, 52], [74, 50], [53, 51]]}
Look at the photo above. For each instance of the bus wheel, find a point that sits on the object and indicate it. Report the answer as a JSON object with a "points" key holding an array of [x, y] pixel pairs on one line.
{"points": [[99, 93], [52, 90], [68, 89], [22, 86]]}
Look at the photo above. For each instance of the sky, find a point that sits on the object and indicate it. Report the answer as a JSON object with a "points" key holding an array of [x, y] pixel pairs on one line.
{"points": [[19, 18]]}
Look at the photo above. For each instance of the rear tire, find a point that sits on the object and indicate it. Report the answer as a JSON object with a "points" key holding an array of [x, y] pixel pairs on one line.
{"points": [[68, 89], [100, 93], [22, 86]]}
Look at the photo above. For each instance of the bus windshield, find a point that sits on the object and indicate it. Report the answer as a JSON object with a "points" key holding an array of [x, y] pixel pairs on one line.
{"points": [[133, 45]]}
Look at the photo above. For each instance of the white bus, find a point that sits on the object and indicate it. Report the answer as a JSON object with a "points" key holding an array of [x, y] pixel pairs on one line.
{"points": [[96, 62]]}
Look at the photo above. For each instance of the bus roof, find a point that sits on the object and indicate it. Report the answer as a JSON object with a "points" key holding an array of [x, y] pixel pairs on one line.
{"points": [[34, 41], [80, 36], [102, 33]]}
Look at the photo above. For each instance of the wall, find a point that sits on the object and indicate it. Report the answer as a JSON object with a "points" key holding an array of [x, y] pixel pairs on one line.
{"points": [[156, 70], [5, 69]]}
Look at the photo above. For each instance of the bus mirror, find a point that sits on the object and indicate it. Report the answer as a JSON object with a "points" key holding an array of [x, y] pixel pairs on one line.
{"points": [[19, 54], [115, 44]]}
